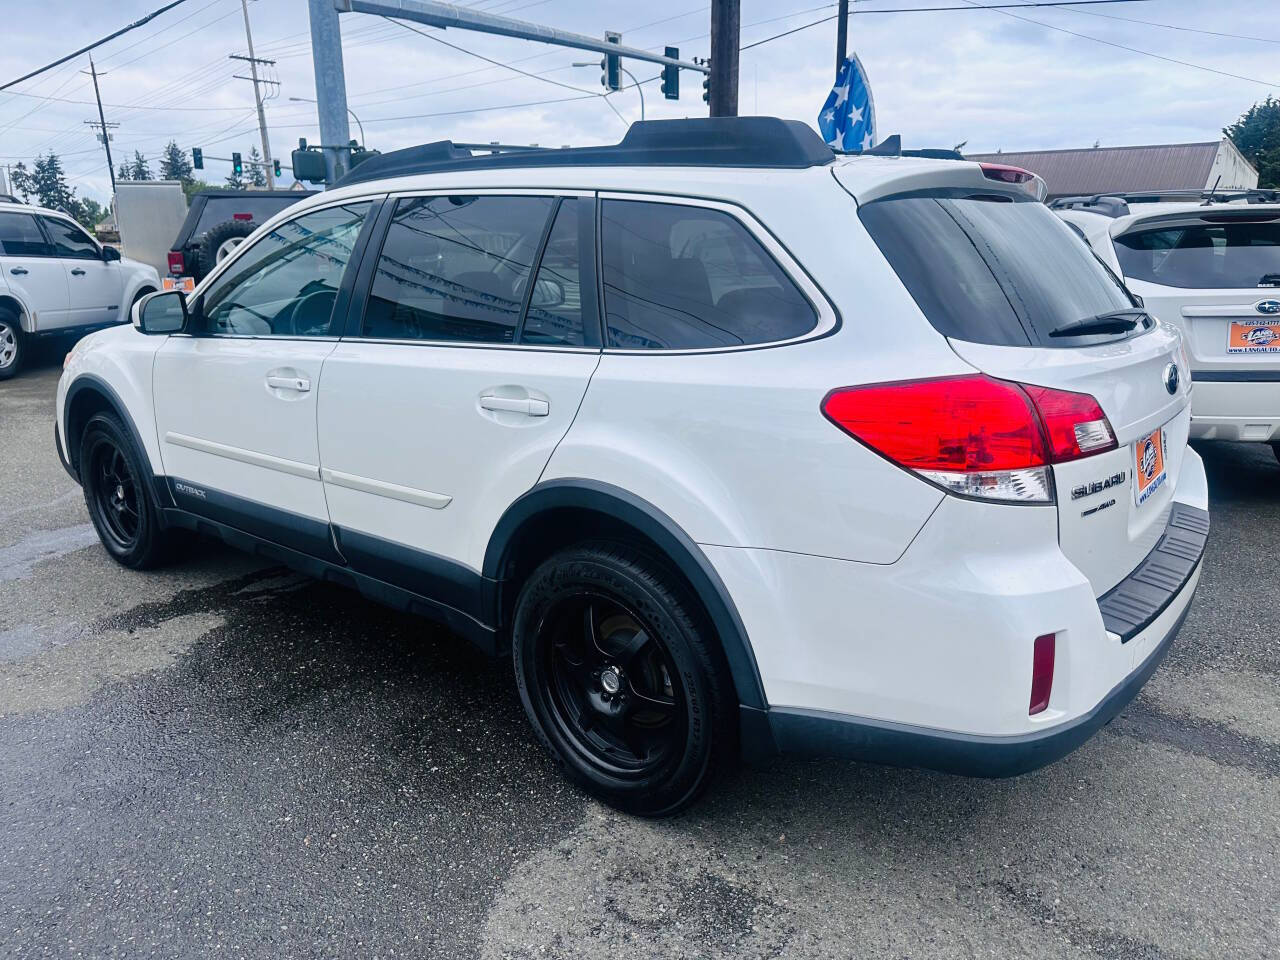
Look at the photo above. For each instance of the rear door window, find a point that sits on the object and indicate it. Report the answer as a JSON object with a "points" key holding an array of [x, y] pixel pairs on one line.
{"points": [[1203, 255], [992, 268], [687, 277], [259, 209], [456, 268], [20, 236]]}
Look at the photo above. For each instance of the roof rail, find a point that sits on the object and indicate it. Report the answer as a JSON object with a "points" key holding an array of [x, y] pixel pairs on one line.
{"points": [[698, 142], [1248, 194], [1108, 205]]}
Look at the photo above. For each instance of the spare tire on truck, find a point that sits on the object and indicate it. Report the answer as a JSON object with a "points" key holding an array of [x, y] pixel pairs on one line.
{"points": [[220, 240]]}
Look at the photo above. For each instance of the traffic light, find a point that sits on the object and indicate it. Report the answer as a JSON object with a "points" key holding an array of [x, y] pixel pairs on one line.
{"points": [[236, 166], [197, 158], [706, 88], [275, 164], [671, 76], [611, 64]]}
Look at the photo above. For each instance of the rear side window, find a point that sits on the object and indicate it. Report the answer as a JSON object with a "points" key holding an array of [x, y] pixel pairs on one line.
{"points": [[686, 277], [457, 268], [991, 269], [1203, 255], [21, 237]]}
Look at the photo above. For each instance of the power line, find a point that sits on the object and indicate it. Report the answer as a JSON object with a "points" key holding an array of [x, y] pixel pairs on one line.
{"points": [[97, 43], [1120, 46], [972, 5], [1172, 26]]}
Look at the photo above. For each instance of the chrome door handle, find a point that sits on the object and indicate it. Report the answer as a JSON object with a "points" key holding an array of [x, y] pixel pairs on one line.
{"points": [[77, 272], [301, 384], [529, 407], [19, 271]]}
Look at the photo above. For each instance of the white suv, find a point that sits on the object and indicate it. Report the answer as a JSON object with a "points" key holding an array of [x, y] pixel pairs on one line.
{"points": [[56, 280], [737, 446], [1208, 263]]}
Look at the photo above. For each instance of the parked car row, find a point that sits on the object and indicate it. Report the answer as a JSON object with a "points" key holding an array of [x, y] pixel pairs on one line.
{"points": [[733, 445]]}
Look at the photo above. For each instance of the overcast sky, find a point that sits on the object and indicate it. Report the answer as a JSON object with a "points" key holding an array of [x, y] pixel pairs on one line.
{"points": [[938, 77]]}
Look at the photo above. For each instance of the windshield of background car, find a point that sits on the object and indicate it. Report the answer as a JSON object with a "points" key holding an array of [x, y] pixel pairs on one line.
{"points": [[1204, 255], [992, 268]]}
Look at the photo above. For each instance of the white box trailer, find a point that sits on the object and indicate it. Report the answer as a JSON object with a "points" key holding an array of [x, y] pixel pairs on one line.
{"points": [[149, 214]]}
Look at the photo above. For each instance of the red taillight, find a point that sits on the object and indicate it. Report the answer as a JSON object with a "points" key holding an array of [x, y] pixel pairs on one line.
{"points": [[242, 216], [1042, 673], [1005, 173], [1074, 423], [974, 435], [177, 266]]}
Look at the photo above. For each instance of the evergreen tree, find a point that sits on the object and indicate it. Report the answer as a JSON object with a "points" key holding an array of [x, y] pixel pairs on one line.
{"points": [[140, 169], [1257, 135], [257, 173], [21, 181], [234, 181], [50, 185], [174, 164], [123, 173]]}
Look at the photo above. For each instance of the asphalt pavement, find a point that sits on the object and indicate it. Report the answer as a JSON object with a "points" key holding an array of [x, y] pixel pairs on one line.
{"points": [[227, 759]]}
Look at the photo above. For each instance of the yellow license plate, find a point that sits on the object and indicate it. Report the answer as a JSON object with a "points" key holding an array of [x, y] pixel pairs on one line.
{"points": [[1149, 465], [1253, 337]]}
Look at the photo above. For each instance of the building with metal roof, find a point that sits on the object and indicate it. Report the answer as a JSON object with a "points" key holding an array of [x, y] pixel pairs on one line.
{"points": [[1165, 166]]}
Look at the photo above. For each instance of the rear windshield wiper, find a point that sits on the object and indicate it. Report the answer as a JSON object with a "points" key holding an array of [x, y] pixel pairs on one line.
{"points": [[1270, 280], [1114, 321]]}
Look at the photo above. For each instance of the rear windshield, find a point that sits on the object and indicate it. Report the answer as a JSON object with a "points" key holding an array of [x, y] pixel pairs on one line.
{"points": [[220, 209], [1204, 255], [990, 268]]}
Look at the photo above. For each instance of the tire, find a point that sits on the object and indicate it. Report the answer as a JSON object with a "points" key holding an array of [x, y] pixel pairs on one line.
{"points": [[637, 708], [219, 240], [12, 347], [115, 481]]}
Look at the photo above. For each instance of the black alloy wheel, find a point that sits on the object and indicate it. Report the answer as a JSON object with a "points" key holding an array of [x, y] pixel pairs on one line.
{"points": [[622, 680], [114, 478]]}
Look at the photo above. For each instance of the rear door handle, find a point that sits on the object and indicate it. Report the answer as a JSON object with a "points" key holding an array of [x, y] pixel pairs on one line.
{"points": [[77, 272], [529, 407], [19, 271], [300, 384]]}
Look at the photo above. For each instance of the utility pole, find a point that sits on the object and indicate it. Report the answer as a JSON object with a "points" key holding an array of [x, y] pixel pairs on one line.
{"points": [[257, 94], [726, 21], [331, 88], [102, 123], [842, 34]]}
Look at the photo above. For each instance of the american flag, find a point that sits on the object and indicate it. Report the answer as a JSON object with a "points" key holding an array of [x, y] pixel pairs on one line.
{"points": [[848, 118]]}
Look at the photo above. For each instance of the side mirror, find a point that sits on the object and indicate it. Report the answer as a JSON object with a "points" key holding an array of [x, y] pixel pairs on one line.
{"points": [[547, 293], [161, 313], [110, 254]]}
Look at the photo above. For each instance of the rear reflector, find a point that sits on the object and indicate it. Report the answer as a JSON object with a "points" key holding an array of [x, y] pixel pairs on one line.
{"points": [[974, 436], [177, 266], [1042, 673], [242, 216]]}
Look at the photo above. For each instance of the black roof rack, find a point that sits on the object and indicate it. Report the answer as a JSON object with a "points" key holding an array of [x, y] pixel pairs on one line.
{"points": [[9, 198], [1117, 204], [701, 142]]}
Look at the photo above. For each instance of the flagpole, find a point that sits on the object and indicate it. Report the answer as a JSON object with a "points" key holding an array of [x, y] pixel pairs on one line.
{"points": [[842, 34]]}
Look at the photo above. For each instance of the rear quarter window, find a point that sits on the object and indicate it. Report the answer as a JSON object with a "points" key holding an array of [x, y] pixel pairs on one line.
{"points": [[259, 209], [991, 268], [1203, 256]]}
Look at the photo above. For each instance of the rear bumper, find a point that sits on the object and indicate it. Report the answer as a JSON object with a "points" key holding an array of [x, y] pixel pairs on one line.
{"points": [[903, 745], [1235, 406]]}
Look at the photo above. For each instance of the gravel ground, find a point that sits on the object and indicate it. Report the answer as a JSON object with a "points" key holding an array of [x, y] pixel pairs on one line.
{"points": [[227, 759]]}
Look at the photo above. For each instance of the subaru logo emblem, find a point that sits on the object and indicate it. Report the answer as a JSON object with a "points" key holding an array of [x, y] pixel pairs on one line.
{"points": [[1171, 378], [1267, 306]]}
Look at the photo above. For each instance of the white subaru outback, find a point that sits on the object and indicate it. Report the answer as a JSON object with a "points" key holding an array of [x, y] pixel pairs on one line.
{"points": [[1208, 263], [56, 280], [735, 445]]}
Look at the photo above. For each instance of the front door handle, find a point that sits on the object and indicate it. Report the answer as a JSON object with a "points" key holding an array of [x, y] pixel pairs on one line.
{"points": [[78, 272], [530, 407], [300, 384], [19, 271]]}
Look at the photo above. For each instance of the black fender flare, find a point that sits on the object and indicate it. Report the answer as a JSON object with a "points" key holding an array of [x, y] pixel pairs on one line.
{"points": [[88, 381], [677, 545]]}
